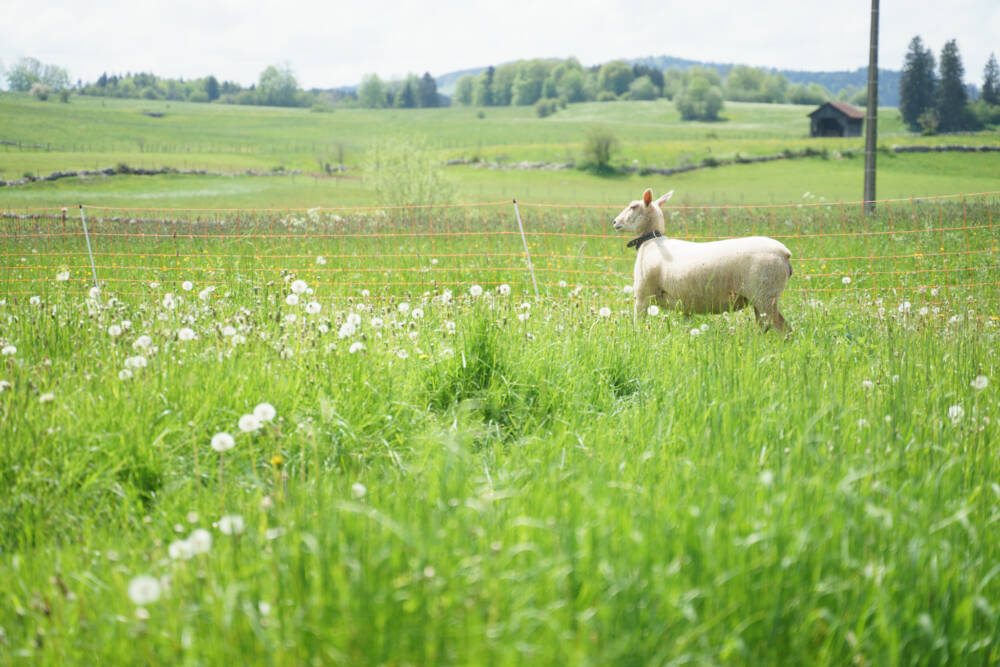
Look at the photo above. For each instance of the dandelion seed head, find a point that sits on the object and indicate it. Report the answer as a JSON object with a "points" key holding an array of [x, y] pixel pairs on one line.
{"points": [[187, 285], [292, 299], [223, 442], [313, 307], [604, 312], [476, 290], [980, 382], [231, 524], [653, 310], [299, 286], [265, 412], [249, 423], [62, 276], [186, 334], [8, 351], [956, 413], [356, 346], [358, 490], [200, 541], [504, 289], [144, 589], [846, 280]]}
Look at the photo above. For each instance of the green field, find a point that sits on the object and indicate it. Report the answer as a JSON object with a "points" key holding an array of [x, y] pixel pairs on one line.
{"points": [[94, 133], [457, 472]]}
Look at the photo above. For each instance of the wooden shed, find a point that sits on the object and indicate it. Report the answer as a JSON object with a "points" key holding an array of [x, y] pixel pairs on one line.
{"points": [[836, 119]]}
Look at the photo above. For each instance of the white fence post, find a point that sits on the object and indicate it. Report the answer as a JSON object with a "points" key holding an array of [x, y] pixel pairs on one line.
{"points": [[90, 252], [527, 254]]}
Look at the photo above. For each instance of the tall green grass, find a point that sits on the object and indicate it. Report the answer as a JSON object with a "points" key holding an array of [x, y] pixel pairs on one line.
{"points": [[493, 479]]}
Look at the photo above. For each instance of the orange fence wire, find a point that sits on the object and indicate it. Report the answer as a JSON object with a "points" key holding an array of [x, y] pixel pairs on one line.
{"points": [[945, 245]]}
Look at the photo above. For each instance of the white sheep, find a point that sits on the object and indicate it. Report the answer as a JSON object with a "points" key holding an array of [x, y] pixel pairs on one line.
{"points": [[704, 277]]}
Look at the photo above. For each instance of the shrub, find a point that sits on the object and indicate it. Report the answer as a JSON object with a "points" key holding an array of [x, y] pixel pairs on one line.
{"points": [[64, 95], [41, 90], [322, 107], [598, 149], [546, 107], [403, 172], [606, 96]]}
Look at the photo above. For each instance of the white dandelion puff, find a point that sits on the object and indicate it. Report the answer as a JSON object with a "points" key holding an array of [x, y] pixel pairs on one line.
{"points": [[249, 423], [186, 334], [320, 260], [292, 299], [180, 550], [604, 312], [299, 286], [358, 490], [8, 351], [403, 308], [476, 290], [187, 285], [417, 314], [47, 397], [356, 346], [653, 310], [231, 524], [228, 331], [142, 342], [35, 301], [313, 307], [223, 442], [200, 541], [628, 289], [956, 413], [62, 276], [124, 374], [138, 361], [144, 589], [504, 289], [265, 412], [980, 383]]}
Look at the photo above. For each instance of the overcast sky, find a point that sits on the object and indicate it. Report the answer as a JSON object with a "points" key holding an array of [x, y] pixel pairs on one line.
{"points": [[333, 43]]}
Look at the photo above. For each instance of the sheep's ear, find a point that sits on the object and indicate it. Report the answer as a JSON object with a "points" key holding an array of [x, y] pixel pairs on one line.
{"points": [[647, 197], [665, 198]]}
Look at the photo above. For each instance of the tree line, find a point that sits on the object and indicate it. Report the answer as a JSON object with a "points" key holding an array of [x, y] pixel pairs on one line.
{"points": [[936, 99]]}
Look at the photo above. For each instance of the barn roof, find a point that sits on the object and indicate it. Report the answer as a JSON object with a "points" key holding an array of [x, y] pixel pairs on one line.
{"points": [[844, 108]]}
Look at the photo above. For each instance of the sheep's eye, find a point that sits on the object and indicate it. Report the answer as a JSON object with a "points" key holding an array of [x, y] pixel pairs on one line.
{"points": [[634, 206]]}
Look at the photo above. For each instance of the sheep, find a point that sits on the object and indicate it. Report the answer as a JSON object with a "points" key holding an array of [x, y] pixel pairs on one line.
{"points": [[704, 277]]}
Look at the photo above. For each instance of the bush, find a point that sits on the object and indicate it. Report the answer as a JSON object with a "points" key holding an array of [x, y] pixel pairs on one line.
{"points": [[404, 172], [700, 100], [606, 96], [64, 95], [546, 107], [41, 91], [928, 122], [322, 107], [598, 149]]}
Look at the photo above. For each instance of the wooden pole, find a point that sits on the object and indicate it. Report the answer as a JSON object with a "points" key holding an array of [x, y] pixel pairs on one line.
{"points": [[871, 119]]}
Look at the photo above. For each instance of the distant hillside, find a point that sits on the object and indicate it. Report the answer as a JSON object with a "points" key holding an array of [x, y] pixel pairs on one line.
{"points": [[888, 82]]}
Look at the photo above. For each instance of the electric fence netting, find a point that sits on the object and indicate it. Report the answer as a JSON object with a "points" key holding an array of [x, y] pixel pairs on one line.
{"points": [[946, 248]]}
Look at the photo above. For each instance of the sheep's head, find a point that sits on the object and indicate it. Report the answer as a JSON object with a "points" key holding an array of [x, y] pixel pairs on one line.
{"points": [[643, 215]]}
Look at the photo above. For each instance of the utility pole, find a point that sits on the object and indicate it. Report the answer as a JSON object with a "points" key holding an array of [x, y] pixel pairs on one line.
{"points": [[871, 119]]}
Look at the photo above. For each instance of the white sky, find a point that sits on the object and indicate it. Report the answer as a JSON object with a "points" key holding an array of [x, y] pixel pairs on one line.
{"points": [[332, 42]]}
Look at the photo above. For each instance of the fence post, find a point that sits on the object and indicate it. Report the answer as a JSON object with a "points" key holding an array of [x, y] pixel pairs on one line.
{"points": [[527, 254], [90, 252]]}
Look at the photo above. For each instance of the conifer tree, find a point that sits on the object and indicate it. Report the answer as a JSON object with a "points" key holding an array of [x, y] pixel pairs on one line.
{"points": [[991, 81], [952, 97], [917, 83]]}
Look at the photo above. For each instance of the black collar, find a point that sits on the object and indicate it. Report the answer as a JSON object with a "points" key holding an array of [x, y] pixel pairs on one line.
{"points": [[637, 242]]}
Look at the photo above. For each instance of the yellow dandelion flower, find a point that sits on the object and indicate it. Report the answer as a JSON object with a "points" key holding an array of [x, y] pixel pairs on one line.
{"points": [[277, 461]]}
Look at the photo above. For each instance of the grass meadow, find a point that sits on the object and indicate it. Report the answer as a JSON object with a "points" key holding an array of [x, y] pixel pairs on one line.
{"points": [[355, 436]]}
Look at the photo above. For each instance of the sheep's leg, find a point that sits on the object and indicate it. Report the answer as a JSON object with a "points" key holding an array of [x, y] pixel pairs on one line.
{"points": [[763, 319], [642, 297], [772, 317]]}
